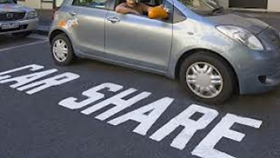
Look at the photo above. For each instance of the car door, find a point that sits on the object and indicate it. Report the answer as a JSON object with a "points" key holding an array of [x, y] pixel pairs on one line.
{"points": [[88, 34], [138, 40]]}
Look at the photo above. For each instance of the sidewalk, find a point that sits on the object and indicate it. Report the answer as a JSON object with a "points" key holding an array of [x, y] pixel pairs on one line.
{"points": [[273, 19]]}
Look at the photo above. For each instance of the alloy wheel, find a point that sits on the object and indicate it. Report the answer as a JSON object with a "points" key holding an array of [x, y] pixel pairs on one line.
{"points": [[204, 80]]}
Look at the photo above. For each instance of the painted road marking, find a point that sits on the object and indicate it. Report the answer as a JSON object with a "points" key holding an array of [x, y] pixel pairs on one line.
{"points": [[30, 82], [206, 147], [24, 45], [190, 126], [146, 116]]}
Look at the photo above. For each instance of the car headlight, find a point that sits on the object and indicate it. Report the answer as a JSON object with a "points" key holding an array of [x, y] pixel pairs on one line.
{"points": [[241, 35], [31, 15]]}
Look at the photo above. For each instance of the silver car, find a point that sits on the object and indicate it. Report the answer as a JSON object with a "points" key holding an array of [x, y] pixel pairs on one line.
{"points": [[214, 53], [17, 20]]}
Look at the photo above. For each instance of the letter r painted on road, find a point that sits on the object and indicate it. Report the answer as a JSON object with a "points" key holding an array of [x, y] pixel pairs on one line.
{"points": [[92, 94], [190, 125], [205, 149], [32, 67]]}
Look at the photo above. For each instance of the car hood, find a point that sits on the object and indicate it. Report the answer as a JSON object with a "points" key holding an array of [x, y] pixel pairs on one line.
{"points": [[14, 8], [249, 23]]}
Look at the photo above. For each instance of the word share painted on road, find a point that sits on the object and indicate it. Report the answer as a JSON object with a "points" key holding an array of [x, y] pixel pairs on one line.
{"points": [[30, 83], [147, 115]]}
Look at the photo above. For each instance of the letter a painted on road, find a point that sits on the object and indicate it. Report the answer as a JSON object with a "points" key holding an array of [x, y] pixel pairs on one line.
{"points": [[140, 115], [190, 125]]}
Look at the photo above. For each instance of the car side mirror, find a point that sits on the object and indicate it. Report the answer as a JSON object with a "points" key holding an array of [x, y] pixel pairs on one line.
{"points": [[157, 13]]}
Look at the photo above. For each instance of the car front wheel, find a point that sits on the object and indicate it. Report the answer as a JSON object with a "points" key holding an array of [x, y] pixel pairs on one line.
{"points": [[207, 78], [62, 51]]}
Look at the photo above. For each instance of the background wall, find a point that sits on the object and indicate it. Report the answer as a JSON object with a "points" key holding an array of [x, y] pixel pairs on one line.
{"points": [[33, 3], [59, 2], [224, 3], [274, 5], [46, 5]]}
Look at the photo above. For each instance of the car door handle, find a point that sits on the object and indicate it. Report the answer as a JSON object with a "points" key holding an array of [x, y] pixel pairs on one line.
{"points": [[73, 13], [113, 19]]}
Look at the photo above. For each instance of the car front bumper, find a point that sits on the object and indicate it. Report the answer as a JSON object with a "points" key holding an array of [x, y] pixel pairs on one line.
{"points": [[24, 25], [258, 72]]}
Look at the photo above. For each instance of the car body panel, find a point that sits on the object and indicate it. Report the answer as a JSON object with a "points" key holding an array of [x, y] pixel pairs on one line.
{"points": [[139, 40], [254, 25], [89, 34], [25, 25]]}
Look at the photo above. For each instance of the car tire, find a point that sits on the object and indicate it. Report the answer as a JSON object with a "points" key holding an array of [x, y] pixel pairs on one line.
{"points": [[62, 50], [203, 84], [22, 34]]}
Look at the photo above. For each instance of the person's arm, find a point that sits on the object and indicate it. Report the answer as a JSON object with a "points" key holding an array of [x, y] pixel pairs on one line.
{"points": [[124, 10], [145, 7]]}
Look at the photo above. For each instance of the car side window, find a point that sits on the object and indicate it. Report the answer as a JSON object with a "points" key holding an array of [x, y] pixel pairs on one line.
{"points": [[178, 16], [152, 3], [148, 2], [174, 14], [170, 9], [91, 3]]}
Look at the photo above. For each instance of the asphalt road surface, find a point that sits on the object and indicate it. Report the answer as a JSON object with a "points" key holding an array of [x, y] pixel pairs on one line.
{"points": [[107, 111]]}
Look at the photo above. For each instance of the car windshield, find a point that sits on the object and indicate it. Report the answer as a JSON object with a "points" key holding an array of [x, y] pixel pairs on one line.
{"points": [[6, 1], [202, 6]]}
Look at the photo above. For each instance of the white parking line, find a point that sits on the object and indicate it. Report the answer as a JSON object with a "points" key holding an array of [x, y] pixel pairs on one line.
{"points": [[24, 45]]}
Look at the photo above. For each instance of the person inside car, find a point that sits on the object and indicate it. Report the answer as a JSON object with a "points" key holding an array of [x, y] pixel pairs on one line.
{"points": [[131, 6]]}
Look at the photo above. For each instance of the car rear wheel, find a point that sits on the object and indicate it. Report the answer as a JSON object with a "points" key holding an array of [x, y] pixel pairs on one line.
{"points": [[207, 78], [22, 34], [62, 51]]}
